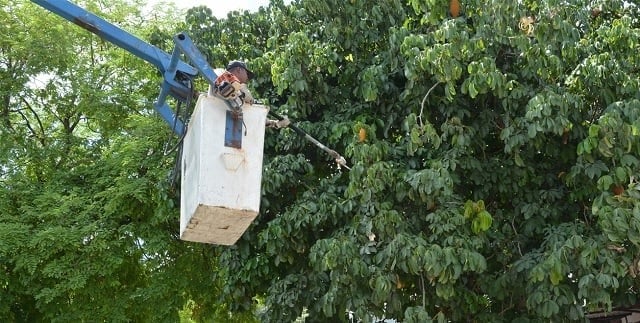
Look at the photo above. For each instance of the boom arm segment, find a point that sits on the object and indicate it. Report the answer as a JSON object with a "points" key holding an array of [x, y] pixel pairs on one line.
{"points": [[177, 74]]}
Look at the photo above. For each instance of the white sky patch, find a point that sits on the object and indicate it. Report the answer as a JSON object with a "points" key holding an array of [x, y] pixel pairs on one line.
{"points": [[220, 8]]}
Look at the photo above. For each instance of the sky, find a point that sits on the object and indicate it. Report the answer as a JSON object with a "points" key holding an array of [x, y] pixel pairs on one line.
{"points": [[220, 8]]}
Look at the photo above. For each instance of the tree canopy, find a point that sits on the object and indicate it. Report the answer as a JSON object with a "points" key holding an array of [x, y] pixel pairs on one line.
{"points": [[494, 149]]}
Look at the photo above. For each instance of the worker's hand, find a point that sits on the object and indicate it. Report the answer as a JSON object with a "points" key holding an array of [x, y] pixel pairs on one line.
{"points": [[283, 123], [247, 97], [278, 123]]}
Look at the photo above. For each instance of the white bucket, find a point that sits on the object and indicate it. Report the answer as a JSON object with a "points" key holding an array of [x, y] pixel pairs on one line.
{"points": [[220, 191]]}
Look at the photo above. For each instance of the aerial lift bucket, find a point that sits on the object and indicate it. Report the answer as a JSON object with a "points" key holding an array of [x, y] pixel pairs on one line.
{"points": [[221, 171]]}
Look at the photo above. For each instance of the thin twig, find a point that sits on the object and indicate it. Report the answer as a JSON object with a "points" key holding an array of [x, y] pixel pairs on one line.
{"points": [[516, 232], [35, 115], [424, 294], [423, 101]]}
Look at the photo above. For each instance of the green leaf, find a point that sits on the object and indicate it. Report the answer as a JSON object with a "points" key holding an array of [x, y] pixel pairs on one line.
{"points": [[621, 174], [482, 222], [605, 182], [555, 275], [518, 160], [473, 92]]}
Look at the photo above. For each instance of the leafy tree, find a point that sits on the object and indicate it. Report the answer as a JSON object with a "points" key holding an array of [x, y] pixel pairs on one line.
{"points": [[494, 154], [493, 147], [88, 219]]}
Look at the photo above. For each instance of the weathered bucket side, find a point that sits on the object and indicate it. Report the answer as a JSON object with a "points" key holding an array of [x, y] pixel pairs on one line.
{"points": [[220, 191]]}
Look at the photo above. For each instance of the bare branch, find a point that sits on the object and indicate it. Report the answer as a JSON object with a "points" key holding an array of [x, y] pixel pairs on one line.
{"points": [[33, 132], [423, 101]]}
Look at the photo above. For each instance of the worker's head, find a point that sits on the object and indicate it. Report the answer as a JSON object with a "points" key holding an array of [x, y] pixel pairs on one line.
{"points": [[240, 70]]}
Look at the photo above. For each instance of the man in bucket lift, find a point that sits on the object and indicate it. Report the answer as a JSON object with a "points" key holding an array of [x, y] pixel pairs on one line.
{"points": [[232, 83]]}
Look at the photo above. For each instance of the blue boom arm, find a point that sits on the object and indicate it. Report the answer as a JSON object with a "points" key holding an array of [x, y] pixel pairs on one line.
{"points": [[176, 73]]}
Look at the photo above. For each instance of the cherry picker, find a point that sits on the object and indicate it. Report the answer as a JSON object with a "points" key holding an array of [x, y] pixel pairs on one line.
{"points": [[221, 162]]}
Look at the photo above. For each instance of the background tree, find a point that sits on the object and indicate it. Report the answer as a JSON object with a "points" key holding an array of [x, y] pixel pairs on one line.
{"points": [[494, 151], [88, 219]]}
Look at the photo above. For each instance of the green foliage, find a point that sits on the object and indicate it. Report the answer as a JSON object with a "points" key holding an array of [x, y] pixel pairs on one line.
{"points": [[485, 108], [88, 221], [494, 160]]}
